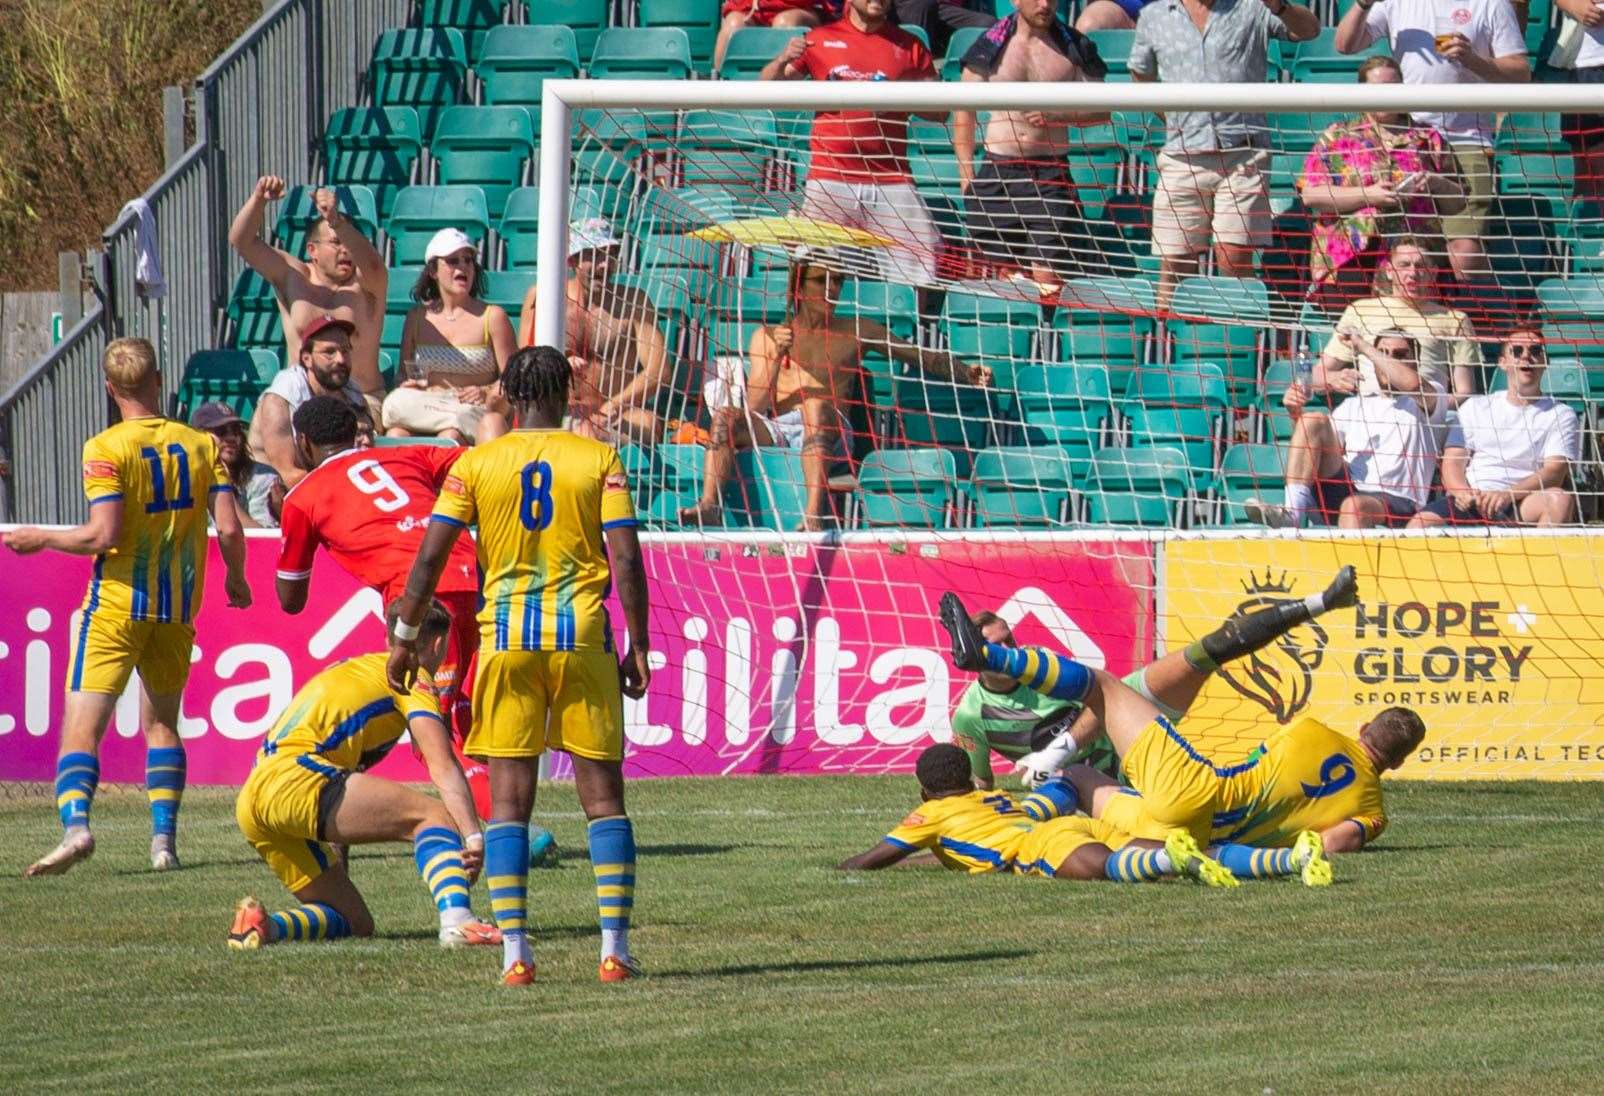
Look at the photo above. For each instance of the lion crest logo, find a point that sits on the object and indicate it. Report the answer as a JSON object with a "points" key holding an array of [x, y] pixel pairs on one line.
{"points": [[1280, 677]]}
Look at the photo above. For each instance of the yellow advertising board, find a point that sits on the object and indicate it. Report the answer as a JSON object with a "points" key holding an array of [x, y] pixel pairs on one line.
{"points": [[1497, 642]]}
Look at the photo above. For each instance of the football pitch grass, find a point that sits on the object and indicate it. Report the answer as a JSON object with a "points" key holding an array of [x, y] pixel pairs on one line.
{"points": [[1463, 954]]}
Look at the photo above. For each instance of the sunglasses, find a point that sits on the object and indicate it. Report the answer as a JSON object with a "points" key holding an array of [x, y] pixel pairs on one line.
{"points": [[1527, 352], [461, 259]]}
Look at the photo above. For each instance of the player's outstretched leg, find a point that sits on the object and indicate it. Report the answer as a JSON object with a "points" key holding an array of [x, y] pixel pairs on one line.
{"points": [[1248, 632], [1047, 672], [1190, 861], [1305, 859]]}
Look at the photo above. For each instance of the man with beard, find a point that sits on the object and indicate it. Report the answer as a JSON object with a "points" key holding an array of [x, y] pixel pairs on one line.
{"points": [[253, 481], [324, 370]]}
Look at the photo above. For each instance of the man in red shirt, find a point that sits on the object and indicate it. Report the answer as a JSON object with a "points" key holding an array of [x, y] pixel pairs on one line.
{"points": [[859, 174]]}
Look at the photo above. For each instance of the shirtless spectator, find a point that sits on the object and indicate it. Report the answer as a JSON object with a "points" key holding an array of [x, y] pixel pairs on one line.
{"points": [[859, 176], [1371, 461], [343, 276], [619, 353], [803, 376], [1023, 208], [323, 368], [1508, 459], [779, 14]]}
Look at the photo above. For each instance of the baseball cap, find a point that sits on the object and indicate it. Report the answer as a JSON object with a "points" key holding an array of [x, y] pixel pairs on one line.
{"points": [[448, 241], [213, 416], [322, 324], [591, 234]]}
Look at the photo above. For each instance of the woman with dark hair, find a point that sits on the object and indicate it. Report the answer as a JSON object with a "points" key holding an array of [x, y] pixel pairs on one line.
{"points": [[254, 482], [453, 349]]}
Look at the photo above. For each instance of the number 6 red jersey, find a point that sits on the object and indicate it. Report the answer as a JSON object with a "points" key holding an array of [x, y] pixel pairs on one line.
{"points": [[371, 507]]}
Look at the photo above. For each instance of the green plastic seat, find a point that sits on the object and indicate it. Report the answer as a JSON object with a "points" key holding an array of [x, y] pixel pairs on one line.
{"points": [[517, 61], [1021, 487], [781, 489], [908, 488], [520, 222], [990, 330], [1572, 298], [381, 441], [1222, 320], [1581, 341], [1551, 173], [939, 412], [699, 19], [951, 65], [421, 211], [422, 69], [253, 316], [697, 261], [1246, 472], [1143, 486], [1065, 406], [470, 18], [676, 482], [1277, 419], [758, 298], [1299, 132], [1114, 46], [1318, 62], [641, 53], [1179, 405], [606, 151], [373, 146], [752, 48], [1520, 242], [935, 173], [229, 376], [397, 303], [726, 149], [1530, 132], [507, 288], [895, 307], [684, 210], [486, 147], [586, 18], [296, 215]]}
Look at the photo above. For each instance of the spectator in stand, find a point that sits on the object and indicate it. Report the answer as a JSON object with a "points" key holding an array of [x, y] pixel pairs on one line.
{"points": [[1406, 300], [1585, 132], [859, 173], [1372, 460], [1369, 181], [766, 13], [615, 345], [1212, 170], [939, 18], [1110, 15], [323, 369], [344, 276], [1508, 458], [253, 481], [1023, 208], [453, 349], [1481, 42]]}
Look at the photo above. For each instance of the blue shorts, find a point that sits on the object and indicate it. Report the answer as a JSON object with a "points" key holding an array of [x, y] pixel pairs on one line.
{"points": [[1133, 8]]}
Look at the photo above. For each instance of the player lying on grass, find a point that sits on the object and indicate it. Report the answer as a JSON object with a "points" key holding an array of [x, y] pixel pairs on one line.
{"points": [[1042, 733], [307, 791], [1307, 777]]}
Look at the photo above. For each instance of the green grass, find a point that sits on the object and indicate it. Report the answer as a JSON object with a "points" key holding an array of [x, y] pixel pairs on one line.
{"points": [[1463, 954]]}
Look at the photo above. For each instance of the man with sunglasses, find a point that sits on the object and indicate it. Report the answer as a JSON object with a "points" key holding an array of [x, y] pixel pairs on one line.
{"points": [[1508, 459]]}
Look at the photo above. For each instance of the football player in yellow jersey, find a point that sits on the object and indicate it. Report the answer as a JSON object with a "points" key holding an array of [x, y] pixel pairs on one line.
{"points": [[150, 483], [307, 791], [985, 831], [1307, 788], [556, 527]]}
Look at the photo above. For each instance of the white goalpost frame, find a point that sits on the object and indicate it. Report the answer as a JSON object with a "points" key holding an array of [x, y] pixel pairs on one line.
{"points": [[560, 98]]}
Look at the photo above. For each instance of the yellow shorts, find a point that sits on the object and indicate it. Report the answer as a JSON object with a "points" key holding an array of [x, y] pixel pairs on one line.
{"points": [[525, 701], [1127, 812], [1178, 785], [1046, 847], [278, 811], [106, 649]]}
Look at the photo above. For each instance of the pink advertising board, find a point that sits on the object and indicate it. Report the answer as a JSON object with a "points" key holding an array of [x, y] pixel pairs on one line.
{"points": [[769, 655]]}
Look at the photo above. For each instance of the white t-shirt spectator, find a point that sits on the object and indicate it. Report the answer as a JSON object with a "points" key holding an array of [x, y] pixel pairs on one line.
{"points": [[1508, 442], [1389, 444], [1412, 26], [294, 389]]}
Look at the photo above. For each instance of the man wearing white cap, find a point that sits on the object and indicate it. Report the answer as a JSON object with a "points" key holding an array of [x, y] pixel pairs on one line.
{"points": [[619, 354], [453, 348]]}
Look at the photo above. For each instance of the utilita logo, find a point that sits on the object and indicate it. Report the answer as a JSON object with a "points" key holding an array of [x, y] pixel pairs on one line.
{"points": [[1280, 677]]}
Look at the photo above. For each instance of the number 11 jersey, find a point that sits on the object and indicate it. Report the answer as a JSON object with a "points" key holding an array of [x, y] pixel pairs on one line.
{"points": [[370, 507]]}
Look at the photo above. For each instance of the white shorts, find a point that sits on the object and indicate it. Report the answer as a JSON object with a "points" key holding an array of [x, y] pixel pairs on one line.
{"points": [[1222, 197], [894, 211], [788, 432]]}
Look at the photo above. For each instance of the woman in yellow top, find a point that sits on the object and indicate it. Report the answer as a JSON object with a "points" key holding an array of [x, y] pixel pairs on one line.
{"points": [[453, 349]]}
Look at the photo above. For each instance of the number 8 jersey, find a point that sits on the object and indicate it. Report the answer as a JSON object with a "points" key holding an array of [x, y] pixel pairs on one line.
{"points": [[370, 507], [543, 500]]}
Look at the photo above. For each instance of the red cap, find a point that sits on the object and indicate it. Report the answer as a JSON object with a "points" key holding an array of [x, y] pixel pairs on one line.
{"points": [[322, 324]]}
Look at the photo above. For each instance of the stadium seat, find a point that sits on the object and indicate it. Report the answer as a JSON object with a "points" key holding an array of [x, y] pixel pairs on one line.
{"points": [[374, 146], [519, 224], [586, 18], [697, 261], [641, 53], [1276, 418], [1318, 62], [1579, 340], [507, 289], [727, 149], [421, 211], [1572, 298], [989, 330], [1105, 320], [1179, 405], [253, 316], [1528, 132], [397, 303], [607, 150], [380, 441], [1016, 487], [1114, 46], [1551, 173], [1222, 320], [699, 19], [939, 412], [422, 69], [517, 61], [894, 307], [470, 18], [686, 209], [229, 376], [751, 48], [1067, 406], [781, 494], [760, 297], [1299, 132], [676, 476], [910, 488], [1248, 471], [297, 213], [935, 173], [487, 147], [1145, 486], [1520, 244], [951, 66]]}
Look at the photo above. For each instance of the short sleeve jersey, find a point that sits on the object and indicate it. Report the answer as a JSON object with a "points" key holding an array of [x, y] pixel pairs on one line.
{"points": [[347, 717], [977, 832], [370, 508], [1306, 777], [543, 500], [164, 473], [860, 146]]}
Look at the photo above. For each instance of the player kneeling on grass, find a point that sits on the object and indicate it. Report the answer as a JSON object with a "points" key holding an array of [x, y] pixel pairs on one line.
{"points": [[307, 791], [977, 831]]}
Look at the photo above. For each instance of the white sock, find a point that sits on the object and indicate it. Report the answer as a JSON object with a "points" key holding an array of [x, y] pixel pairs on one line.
{"points": [[615, 942], [1165, 864], [1299, 500], [1316, 604], [514, 948], [452, 916]]}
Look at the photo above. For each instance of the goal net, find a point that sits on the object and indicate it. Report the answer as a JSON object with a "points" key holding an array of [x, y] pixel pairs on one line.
{"points": [[1034, 346]]}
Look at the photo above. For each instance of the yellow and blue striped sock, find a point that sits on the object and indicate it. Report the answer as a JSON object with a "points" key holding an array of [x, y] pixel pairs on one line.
{"points": [[437, 850], [313, 921], [165, 768], [507, 876], [1136, 865], [1247, 862], [612, 857], [1053, 799], [77, 776], [1047, 672]]}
